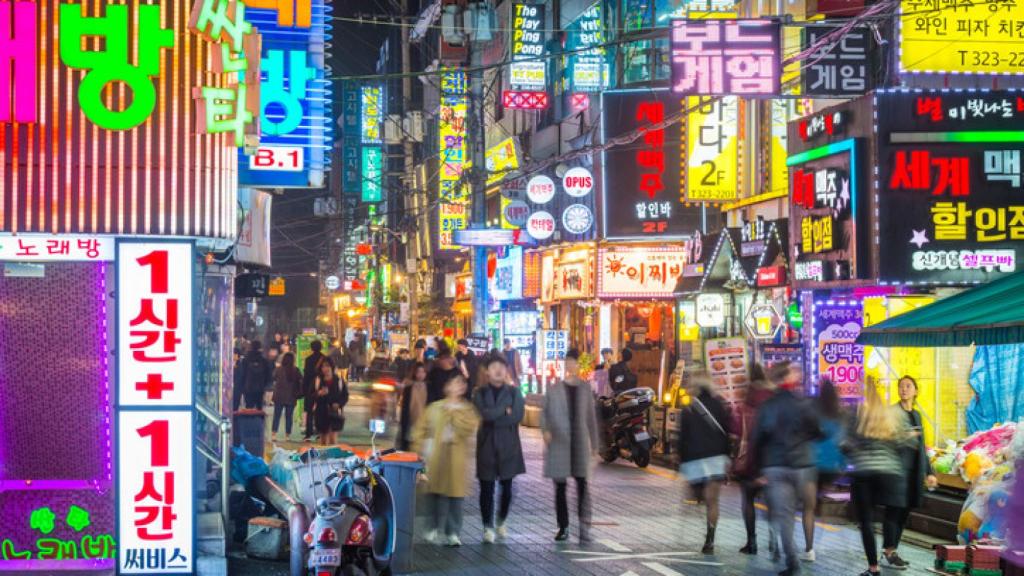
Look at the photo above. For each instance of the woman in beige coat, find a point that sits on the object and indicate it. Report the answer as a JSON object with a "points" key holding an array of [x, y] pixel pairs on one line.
{"points": [[442, 436]]}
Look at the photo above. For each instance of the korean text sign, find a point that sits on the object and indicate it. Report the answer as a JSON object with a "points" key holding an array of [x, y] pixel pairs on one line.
{"points": [[641, 188], [712, 143], [454, 194], [720, 57], [155, 339], [840, 67], [961, 36], [527, 70], [639, 272], [839, 357], [951, 185]]}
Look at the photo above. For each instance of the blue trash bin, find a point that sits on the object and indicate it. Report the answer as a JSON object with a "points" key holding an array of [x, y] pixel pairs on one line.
{"points": [[401, 476]]}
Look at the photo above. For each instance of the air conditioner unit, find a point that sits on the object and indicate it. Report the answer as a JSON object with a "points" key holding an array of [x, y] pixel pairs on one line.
{"points": [[413, 125], [393, 129]]}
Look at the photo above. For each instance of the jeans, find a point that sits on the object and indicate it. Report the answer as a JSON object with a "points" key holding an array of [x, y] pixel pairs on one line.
{"points": [[446, 514], [783, 490], [487, 501], [289, 410], [582, 504]]}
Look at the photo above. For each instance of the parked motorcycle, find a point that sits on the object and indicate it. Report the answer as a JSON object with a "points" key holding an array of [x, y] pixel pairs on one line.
{"points": [[353, 527], [625, 428]]}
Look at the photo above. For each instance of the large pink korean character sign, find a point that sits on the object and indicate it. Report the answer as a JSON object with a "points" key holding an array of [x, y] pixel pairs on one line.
{"points": [[156, 533], [740, 57]]}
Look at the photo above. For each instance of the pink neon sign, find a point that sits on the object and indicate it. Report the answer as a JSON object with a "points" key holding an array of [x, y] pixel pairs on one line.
{"points": [[18, 47], [726, 57]]}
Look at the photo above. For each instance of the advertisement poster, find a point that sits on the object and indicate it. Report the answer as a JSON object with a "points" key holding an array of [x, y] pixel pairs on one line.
{"points": [[573, 280], [772, 354], [951, 208], [836, 327], [726, 362]]}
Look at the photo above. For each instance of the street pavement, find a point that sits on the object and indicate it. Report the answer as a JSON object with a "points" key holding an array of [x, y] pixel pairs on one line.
{"points": [[642, 527]]}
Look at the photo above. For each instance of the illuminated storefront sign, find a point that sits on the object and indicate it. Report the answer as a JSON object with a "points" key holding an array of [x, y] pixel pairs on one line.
{"points": [[840, 67], [501, 159], [296, 119], [372, 166], [491, 237], [710, 311], [527, 70], [154, 407], [964, 37], [507, 283], [541, 225], [371, 114], [350, 155], [112, 112], [587, 62], [839, 358], [454, 194], [949, 186], [720, 57], [639, 272], [577, 219], [62, 248], [524, 99], [712, 130], [641, 193]]}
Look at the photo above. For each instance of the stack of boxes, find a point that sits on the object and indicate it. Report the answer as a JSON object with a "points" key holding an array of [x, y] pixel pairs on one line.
{"points": [[973, 560]]}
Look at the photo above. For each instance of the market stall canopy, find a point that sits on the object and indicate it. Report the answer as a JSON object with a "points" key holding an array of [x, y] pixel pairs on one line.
{"points": [[990, 314]]}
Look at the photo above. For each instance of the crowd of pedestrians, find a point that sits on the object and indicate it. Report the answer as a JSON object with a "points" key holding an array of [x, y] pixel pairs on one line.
{"points": [[777, 443]]}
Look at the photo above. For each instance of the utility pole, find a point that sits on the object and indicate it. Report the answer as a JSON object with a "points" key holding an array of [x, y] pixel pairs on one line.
{"points": [[412, 276], [478, 177]]}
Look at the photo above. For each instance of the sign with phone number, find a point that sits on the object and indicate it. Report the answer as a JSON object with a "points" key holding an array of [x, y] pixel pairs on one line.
{"points": [[961, 36]]}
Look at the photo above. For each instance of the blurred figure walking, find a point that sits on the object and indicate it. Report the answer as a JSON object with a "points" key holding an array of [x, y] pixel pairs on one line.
{"points": [[412, 403], [499, 450], [287, 391], [569, 424], [442, 437], [744, 467]]}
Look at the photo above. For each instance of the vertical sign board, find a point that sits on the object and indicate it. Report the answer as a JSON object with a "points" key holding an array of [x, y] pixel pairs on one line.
{"points": [[713, 149], [154, 406], [726, 57], [371, 126], [961, 37], [839, 358], [642, 198], [296, 126], [453, 205], [840, 67], [350, 128], [587, 68], [950, 186], [528, 69], [372, 170]]}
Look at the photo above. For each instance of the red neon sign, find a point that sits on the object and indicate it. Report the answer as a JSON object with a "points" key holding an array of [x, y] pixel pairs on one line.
{"points": [[524, 100]]}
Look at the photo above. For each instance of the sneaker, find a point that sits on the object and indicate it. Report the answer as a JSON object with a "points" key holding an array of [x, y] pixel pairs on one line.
{"points": [[869, 573], [489, 536], [562, 535], [502, 530], [807, 556], [894, 561], [431, 537], [454, 542]]}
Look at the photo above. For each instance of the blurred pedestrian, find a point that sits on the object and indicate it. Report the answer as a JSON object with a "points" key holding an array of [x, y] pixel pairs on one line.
{"points": [[419, 350], [402, 363], [339, 357], [786, 428], [329, 404], [744, 467], [704, 440], [466, 362], [442, 437], [873, 446], [569, 424], [287, 391], [831, 462], [620, 376], [919, 474], [357, 356], [499, 450], [254, 375], [513, 359], [310, 374], [440, 373], [412, 403]]}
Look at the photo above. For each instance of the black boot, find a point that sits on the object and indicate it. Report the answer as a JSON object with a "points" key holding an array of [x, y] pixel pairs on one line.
{"points": [[750, 547], [709, 541], [562, 535]]}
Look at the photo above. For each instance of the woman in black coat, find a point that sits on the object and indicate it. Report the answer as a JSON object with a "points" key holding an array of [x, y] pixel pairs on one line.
{"points": [[329, 404], [499, 452], [918, 475]]}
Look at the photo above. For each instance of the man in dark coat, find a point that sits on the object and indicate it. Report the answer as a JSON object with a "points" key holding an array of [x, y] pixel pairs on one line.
{"points": [[466, 362], [620, 377], [444, 369], [253, 375], [310, 372], [499, 452]]}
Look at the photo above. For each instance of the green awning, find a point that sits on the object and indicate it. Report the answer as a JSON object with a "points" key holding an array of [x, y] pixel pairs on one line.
{"points": [[987, 315]]}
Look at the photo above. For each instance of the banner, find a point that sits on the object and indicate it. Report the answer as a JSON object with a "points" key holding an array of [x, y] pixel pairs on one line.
{"points": [[712, 143], [253, 246]]}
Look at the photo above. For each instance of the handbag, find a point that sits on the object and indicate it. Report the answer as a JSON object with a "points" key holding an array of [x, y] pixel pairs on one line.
{"points": [[733, 444]]}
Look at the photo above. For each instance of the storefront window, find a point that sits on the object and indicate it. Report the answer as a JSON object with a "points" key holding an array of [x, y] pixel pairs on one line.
{"points": [[637, 15]]}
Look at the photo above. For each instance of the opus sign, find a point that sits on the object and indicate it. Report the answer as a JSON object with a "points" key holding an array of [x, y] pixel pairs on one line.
{"points": [[950, 186]]}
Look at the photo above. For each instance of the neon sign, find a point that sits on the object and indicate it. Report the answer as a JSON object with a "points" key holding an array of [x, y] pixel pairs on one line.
{"points": [[453, 211], [719, 57], [372, 168], [527, 40], [372, 113], [49, 547], [273, 90]]}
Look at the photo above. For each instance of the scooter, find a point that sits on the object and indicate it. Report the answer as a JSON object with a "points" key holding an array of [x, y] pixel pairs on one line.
{"points": [[353, 528], [626, 433]]}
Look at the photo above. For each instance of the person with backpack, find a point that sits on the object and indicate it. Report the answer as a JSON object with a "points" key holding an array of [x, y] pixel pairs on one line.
{"points": [[254, 375], [310, 374], [704, 441]]}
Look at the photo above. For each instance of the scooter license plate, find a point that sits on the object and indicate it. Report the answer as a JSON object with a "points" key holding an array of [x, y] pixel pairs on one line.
{"points": [[325, 558], [641, 436]]}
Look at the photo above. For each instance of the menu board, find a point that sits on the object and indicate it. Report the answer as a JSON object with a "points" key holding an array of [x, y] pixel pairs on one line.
{"points": [[726, 361], [840, 358]]}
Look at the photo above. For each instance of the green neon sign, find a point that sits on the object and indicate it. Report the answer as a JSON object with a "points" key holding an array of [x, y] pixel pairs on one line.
{"points": [[44, 520]]}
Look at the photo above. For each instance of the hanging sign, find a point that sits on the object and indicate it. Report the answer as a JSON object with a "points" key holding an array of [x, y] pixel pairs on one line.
{"points": [[587, 66], [154, 404], [965, 37], [578, 182], [527, 69], [712, 141], [541, 225], [501, 159], [763, 321], [516, 212], [540, 189], [840, 66], [453, 206], [710, 310], [726, 57]]}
